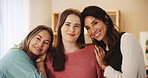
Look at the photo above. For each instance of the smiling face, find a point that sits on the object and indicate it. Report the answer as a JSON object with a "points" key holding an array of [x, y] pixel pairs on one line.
{"points": [[96, 28], [71, 28], [40, 43]]}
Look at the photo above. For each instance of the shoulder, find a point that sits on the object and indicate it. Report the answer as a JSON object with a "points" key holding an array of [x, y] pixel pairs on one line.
{"points": [[14, 52], [9, 58], [127, 35], [129, 42], [128, 38], [14, 55], [91, 46], [17, 54], [88, 49]]}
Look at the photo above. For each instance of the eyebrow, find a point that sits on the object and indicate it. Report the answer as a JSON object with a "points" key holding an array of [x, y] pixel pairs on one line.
{"points": [[77, 24], [41, 37], [93, 21], [68, 22]]}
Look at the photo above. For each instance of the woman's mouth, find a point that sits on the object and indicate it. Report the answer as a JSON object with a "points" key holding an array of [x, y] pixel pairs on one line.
{"points": [[71, 34], [38, 49], [97, 34]]}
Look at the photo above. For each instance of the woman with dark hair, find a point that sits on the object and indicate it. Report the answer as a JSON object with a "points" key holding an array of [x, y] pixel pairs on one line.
{"points": [[118, 53], [70, 58], [24, 61]]}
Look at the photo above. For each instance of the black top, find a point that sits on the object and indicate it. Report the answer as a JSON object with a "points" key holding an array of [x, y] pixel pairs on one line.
{"points": [[115, 59]]}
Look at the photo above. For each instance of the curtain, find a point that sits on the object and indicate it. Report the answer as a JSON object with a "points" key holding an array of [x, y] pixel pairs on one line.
{"points": [[12, 25]]}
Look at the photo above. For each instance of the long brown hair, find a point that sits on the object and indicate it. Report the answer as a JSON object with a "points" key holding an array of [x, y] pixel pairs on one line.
{"points": [[59, 57], [112, 32], [24, 45]]}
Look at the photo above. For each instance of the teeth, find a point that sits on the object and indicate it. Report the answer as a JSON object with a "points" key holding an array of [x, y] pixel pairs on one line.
{"points": [[97, 34], [38, 49]]}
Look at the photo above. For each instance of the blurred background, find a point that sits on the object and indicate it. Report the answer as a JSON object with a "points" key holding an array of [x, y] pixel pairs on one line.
{"points": [[18, 17]]}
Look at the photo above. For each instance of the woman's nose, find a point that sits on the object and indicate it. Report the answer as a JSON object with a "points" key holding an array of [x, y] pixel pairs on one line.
{"points": [[71, 29], [93, 30], [40, 43]]}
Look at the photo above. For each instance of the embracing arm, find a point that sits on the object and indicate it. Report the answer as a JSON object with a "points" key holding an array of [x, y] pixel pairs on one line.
{"points": [[41, 68], [40, 65], [17, 64]]}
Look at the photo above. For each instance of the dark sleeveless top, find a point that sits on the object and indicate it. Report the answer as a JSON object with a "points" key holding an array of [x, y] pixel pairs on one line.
{"points": [[115, 59]]}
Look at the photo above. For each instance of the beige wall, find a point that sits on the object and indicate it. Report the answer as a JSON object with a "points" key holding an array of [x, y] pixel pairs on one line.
{"points": [[40, 13], [133, 13]]}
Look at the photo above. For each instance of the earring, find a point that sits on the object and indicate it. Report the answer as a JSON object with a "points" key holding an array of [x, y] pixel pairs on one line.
{"points": [[107, 25]]}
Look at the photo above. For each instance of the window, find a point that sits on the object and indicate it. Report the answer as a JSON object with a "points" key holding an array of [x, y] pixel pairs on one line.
{"points": [[12, 24]]}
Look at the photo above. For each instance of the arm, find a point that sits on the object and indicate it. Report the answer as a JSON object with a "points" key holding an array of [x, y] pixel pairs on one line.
{"points": [[41, 68], [100, 54], [100, 73], [130, 49], [40, 65], [17, 64]]}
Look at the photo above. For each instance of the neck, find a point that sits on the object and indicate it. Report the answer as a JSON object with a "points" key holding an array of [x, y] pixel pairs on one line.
{"points": [[70, 46], [32, 56]]}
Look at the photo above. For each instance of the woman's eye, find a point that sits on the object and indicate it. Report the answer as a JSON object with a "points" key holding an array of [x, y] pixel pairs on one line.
{"points": [[46, 43], [95, 23], [87, 27], [38, 38], [67, 24], [77, 26]]}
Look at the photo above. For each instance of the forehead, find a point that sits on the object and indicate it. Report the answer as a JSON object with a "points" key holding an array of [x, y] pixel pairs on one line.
{"points": [[73, 17], [89, 18], [44, 34]]}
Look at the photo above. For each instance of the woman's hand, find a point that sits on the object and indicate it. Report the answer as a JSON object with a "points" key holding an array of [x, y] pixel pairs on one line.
{"points": [[42, 57], [40, 64], [100, 56]]}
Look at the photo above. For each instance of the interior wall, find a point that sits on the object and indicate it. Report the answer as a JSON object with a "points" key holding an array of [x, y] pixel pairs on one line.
{"points": [[40, 13], [133, 13]]}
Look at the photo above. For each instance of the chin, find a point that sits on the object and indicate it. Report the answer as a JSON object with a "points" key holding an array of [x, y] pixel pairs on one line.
{"points": [[98, 39]]}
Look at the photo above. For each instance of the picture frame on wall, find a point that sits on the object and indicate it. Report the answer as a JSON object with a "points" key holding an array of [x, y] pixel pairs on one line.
{"points": [[144, 45], [114, 15]]}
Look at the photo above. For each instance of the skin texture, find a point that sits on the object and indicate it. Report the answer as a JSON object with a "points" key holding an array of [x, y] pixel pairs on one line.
{"points": [[71, 28], [97, 29], [39, 44], [70, 31]]}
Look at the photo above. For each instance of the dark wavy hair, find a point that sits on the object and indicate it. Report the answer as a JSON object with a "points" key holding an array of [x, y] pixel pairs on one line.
{"points": [[59, 57], [112, 32]]}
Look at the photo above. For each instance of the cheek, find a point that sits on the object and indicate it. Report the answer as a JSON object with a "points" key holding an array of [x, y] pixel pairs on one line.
{"points": [[30, 44], [46, 48], [105, 28], [89, 32], [78, 32], [62, 30]]}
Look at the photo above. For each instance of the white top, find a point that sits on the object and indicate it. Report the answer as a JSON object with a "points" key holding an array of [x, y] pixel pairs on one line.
{"points": [[133, 65]]}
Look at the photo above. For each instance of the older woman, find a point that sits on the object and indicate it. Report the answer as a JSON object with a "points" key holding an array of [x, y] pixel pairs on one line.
{"points": [[20, 62]]}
